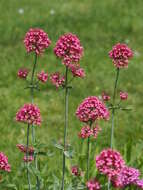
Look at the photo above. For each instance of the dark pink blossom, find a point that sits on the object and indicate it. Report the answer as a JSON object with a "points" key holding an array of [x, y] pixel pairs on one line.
{"points": [[69, 49], [109, 162], [105, 97], [76, 70], [30, 114], [95, 131], [93, 184], [28, 158], [36, 40], [42, 76], [23, 148], [120, 54], [85, 132], [22, 73], [92, 109], [139, 183], [75, 170], [123, 95], [4, 165], [57, 79]]}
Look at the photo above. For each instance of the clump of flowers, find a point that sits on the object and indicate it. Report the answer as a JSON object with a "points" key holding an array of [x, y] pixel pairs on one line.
{"points": [[92, 109], [120, 54], [28, 158], [22, 73], [23, 148], [109, 162], [139, 183], [36, 40], [93, 184], [69, 49], [4, 165], [42, 76], [30, 114], [86, 132], [105, 97], [123, 95], [76, 171], [57, 79], [77, 71]]}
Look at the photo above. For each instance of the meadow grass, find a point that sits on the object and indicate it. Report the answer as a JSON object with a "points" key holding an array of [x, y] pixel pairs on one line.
{"points": [[99, 25]]}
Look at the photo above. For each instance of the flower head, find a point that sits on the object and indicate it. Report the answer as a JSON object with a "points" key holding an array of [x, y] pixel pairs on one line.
{"points": [[123, 95], [30, 114], [92, 109], [4, 165], [109, 162], [85, 132], [105, 97], [36, 40], [76, 70], [69, 49], [23, 148], [28, 158], [42, 76], [120, 54], [95, 131], [57, 79], [93, 184], [139, 183], [75, 170], [22, 73]]}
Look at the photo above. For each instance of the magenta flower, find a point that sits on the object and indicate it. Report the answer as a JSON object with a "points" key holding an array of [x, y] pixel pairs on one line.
{"points": [[57, 79], [105, 97], [30, 114], [95, 131], [75, 170], [76, 70], [42, 76], [123, 95], [126, 176], [85, 132], [109, 162], [36, 40], [28, 158], [139, 183], [69, 49], [23, 148], [22, 73], [93, 184], [120, 54], [92, 109], [4, 165]]}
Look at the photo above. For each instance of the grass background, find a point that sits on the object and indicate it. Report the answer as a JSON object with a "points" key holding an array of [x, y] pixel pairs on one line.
{"points": [[99, 25]]}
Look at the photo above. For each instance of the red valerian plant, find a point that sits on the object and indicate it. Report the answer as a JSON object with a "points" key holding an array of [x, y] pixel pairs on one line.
{"points": [[93, 184], [4, 165], [42, 76], [23, 73]]}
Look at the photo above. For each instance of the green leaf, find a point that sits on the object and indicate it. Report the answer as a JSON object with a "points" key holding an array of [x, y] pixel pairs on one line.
{"points": [[57, 145]]}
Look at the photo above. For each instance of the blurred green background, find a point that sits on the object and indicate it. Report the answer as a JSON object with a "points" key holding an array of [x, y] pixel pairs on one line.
{"points": [[99, 25]]}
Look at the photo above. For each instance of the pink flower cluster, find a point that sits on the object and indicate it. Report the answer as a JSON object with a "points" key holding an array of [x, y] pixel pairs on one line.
{"points": [[36, 40], [76, 70], [57, 79], [93, 184], [123, 95], [92, 109], [86, 132], [105, 97], [30, 114], [120, 54], [69, 49], [4, 165], [139, 183], [28, 158], [22, 73], [42, 76], [75, 170], [125, 177], [109, 162]]}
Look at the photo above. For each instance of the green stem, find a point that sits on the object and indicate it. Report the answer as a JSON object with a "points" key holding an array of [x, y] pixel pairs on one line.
{"points": [[27, 145], [113, 114], [66, 126]]}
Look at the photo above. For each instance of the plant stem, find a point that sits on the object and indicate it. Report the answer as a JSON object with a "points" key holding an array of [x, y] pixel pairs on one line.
{"points": [[113, 114], [66, 125], [27, 145]]}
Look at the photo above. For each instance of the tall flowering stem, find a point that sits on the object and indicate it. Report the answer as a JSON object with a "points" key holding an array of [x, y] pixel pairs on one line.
{"points": [[66, 124], [27, 155]]}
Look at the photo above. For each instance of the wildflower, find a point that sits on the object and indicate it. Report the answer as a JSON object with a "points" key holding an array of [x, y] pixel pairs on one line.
{"points": [[36, 40], [30, 114], [92, 109], [95, 131], [123, 95], [69, 49], [109, 162], [28, 158], [57, 79], [22, 73], [85, 132], [4, 165], [75, 170], [23, 148], [139, 183], [120, 54], [105, 97], [93, 184], [76, 70], [42, 76]]}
